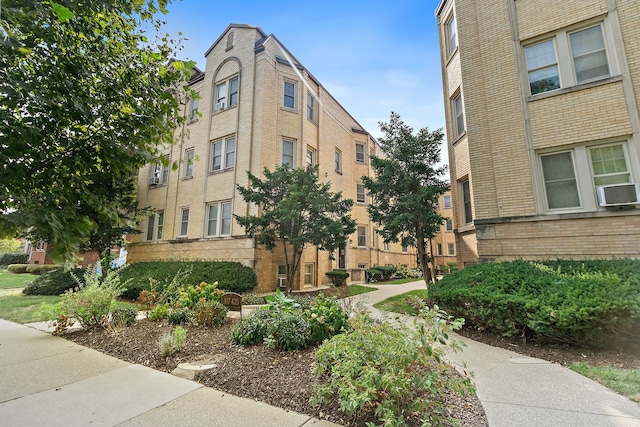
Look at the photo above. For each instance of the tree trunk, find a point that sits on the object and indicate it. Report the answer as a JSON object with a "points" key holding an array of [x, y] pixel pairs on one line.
{"points": [[422, 255]]}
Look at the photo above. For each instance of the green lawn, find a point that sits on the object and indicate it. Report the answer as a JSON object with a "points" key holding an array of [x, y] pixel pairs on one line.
{"points": [[10, 280], [24, 309], [402, 303], [626, 382], [398, 281], [357, 290]]}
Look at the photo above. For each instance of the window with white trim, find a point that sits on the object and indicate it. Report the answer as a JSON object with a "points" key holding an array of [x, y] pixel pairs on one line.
{"points": [[386, 246], [362, 236], [193, 109], [223, 154], [289, 153], [361, 196], [569, 58], [452, 35], [226, 94], [451, 249], [311, 108], [289, 96], [219, 216], [448, 224], [309, 274], [458, 113], [465, 190], [446, 202], [189, 156], [570, 177], [184, 222], [360, 153], [338, 161], [151, 226], [311, 156], [159, 173], [439, 249]]}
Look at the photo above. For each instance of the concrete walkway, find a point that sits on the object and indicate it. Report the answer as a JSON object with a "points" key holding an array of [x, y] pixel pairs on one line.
{"points": [[520, 391]]}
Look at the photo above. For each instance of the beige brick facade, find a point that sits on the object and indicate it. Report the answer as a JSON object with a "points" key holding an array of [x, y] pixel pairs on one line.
{"points": [[250, 129], [443, 246], [534, 155]]}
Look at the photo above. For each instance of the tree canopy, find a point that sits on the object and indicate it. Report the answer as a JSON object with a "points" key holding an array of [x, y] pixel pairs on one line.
{"points": [[297, 210], [406, 186], [88, 92]]}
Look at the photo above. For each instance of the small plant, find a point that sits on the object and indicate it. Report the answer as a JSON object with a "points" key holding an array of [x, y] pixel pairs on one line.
{"points": [[280, 302], [172, 342], [373, 275], [338, 277], [288, 331], [209, 313], [191, 295], [252, 330], [326, 318], [159, 312], [124, 315], [179, 316], [148, 299]]}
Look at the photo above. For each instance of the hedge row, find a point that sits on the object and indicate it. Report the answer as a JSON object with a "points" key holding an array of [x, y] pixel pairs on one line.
{"points": [[54, 282], [13, 258], [231, 276], [31, 268], [585, 303]]}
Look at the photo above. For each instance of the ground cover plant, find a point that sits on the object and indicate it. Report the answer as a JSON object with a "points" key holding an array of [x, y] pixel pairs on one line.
{"points": [[407, 303], [10, 280], [582, 303]]}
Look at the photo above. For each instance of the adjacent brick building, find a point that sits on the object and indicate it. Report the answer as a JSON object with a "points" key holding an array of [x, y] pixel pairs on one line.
{"points": [[543, 129], [259, 107], [443, 244]]}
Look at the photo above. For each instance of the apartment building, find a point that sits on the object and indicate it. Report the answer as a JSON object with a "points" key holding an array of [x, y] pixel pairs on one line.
{"points": [[541, 101], [443, 244], [259, 107]]}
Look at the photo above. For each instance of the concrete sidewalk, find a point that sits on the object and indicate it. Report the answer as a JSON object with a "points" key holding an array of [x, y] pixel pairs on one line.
{"points": [[520, 391], [49, 381]]}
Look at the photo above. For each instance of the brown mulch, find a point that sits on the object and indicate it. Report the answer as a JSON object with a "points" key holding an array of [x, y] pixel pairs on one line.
{"points": [[282, 379]]}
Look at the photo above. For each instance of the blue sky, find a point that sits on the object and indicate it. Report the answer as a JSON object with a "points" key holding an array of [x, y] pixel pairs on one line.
{"points": [[374, 56]]}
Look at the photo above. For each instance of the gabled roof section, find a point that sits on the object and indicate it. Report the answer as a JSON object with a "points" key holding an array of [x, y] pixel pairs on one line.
{"points": [[231, 26], [196, 75]]}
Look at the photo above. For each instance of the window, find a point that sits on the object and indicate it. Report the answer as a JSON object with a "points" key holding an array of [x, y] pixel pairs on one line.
{"points": [[338, 161], [447, 201], [439, 249], [362, 266], [374, 238], [288, 153], [155, 225], [289, 100], [360, 153], [193, 109], [159, 174], [160, 225], [219, 219], [150, 227], [386, 246], [184, 222], [360, 194], [459, 115], [570, 177], [311, 108], [189, 156], [311, 156], [448, 224], [362, 236], [587, 50], [223, 154], [451, 249], [226, 94], [309, 276], [405, 249], [452, 35], [466, 202]]}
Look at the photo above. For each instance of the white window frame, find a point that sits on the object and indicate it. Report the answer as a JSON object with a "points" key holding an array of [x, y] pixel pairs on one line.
{"points": [[193, 109], [565, 60], [439, 249], [451, 35], [446, 202], [227, 154], [312, 110], [467, 217], [361, 194], [448, 225], [457, 108], [451, 249], [223, 93], [151, 220], [286, 97], [338, 161], [220, 219], [386, 247], [183, 224], [309, 276], [290, 158], [361, 153], [310, 156], [361, 236], [189, 158], [160, 172]]}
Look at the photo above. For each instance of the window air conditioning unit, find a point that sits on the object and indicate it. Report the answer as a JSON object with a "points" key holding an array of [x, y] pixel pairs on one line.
{"points": [[219, 106], [618, 194], [282, 282], [154, 180]]}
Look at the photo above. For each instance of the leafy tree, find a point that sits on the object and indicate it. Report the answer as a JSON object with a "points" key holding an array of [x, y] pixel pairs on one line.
{"points": [[406, 187], [297, 210], [86, 98], [10, 245]]}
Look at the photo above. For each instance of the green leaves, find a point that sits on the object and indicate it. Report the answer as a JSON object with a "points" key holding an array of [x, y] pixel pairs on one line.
{"points": [[63, 14]]}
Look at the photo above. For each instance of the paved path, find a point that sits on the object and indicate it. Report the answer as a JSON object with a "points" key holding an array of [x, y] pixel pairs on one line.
{"points": [[519, 391]]}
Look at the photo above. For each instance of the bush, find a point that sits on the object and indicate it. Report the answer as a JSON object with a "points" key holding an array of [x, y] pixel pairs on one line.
{"points": [[593, 303], [124, 316], [191, 295], [171, 342], [231, 276], [209, 313], [288, 330], [326, 318], [404, 272], [42, 268], [159, 312], [13, 258], [387, 271], [396, 373], [17, 268], [179, 316], [338, 277], [252, 330], [54, 282], [373, 275]]}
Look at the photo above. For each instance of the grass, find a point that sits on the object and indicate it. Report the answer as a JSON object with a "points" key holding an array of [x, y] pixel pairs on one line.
{"points": [[402, 303], [357, 290], [10, 280], [399, 281], [625, 382], [19, 308]]}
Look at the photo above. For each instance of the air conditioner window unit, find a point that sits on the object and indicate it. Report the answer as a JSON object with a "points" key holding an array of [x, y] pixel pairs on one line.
{"points": [[154, 180], [618, 194], [282, 282], [219, 105]]}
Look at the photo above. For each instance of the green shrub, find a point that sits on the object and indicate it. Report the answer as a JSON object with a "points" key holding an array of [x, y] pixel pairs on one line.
{"points": [[124, 316], [17, 268], [159, 312], [54, 282], [209, 313], [288, 331], [171, 342], [338, 277], [404, 272], [252, 330], [179, 316], [326, 318], [231, 276], [396, 373], [42, 268], [191, 295], [592, 303], [373, 275], [387, 271], [9, 258]]}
